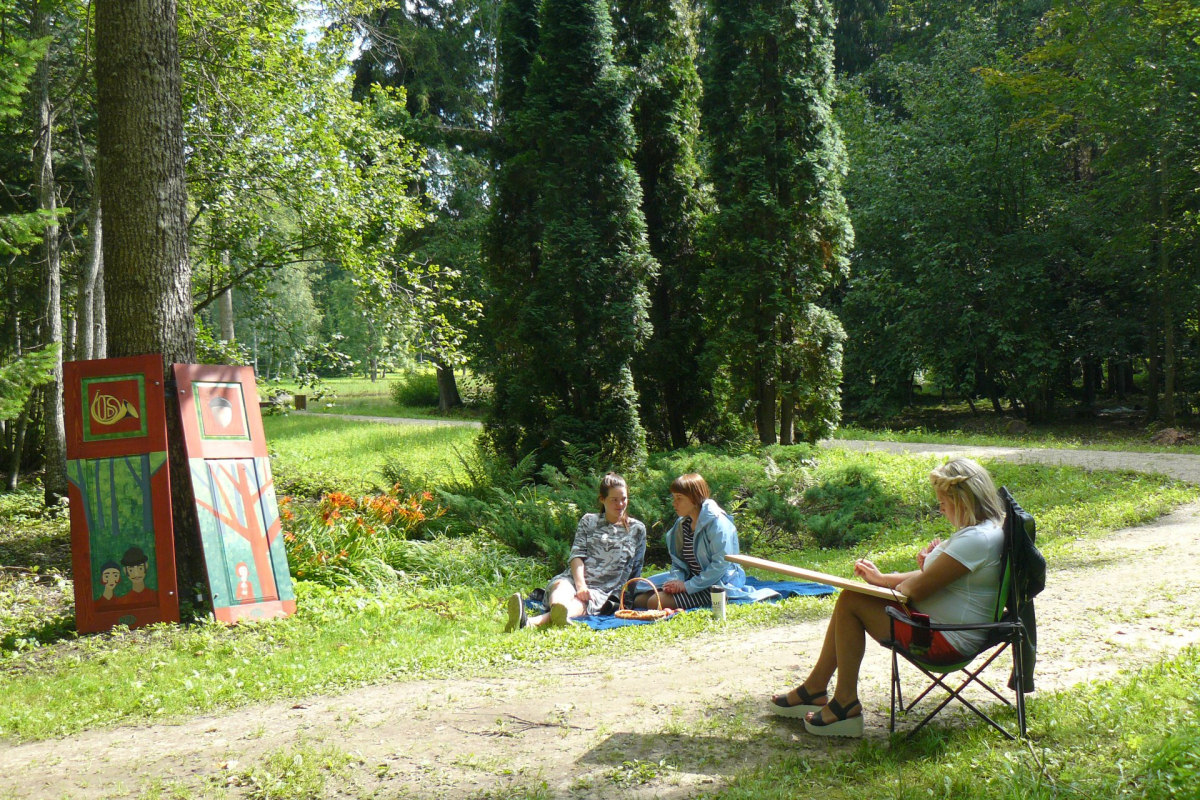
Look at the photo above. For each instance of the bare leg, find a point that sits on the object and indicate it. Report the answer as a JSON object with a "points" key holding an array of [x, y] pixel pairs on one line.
{"points": [[561, 593], [854, 616], [648, 600]]}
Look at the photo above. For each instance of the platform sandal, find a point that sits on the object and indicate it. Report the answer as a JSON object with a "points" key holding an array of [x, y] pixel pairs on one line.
{"points": [[842, 726], [780, 706]]}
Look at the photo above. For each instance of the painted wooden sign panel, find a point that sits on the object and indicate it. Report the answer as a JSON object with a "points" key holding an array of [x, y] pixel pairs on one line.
{"points": [[240, 526], [122, 550]]}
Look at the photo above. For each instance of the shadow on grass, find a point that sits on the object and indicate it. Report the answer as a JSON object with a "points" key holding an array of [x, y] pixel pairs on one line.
{"points": [[644, 753]]}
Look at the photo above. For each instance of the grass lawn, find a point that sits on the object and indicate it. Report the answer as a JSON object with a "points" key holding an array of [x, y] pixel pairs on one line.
{"points": [[312, 455], [1137, 736], [55, 683], [369, 399]]}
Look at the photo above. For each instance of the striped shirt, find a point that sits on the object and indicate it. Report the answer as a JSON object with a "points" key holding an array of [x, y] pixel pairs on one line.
{"points": [[688, 554]]}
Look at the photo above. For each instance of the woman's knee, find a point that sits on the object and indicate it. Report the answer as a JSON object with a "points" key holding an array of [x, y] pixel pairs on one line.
{"points": [[646, 600]]}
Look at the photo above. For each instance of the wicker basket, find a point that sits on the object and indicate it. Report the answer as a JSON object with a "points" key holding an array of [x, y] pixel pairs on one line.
{"points": [[643, 613]]}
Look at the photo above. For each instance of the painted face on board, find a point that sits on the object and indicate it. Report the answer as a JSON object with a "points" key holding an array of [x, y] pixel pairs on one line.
{"points": [[137, 573], [110, 577], [243, 572]]}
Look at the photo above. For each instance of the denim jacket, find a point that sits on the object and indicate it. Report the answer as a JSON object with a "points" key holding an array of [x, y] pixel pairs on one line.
{"points": [[715, 536]]}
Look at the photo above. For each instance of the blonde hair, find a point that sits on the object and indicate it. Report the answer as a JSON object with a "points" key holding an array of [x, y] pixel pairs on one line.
{"points": [[692, 486], [969, 489]]}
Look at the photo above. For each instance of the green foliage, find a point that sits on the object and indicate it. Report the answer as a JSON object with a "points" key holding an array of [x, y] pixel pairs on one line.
{"points": [[656, 40], [949, 192], [781, 235], [20, 376], [580, 315], [415, 389], [844, 505], [211, 350]]}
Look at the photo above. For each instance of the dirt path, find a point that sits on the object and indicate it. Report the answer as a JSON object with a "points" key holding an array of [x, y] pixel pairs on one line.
{"points": [[1176, 465], [667, 724]]}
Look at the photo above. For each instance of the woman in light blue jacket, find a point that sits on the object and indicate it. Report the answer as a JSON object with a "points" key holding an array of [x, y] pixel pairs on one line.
{"points": [[698, 542]]}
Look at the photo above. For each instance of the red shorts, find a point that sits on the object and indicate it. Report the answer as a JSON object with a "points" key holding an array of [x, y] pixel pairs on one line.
{"points": [[940, 651]]}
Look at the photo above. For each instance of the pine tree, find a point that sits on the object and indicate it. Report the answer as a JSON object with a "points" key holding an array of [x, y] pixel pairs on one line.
{"points": [[657, 42], [512, 249], [782, 232], [585, 308]]}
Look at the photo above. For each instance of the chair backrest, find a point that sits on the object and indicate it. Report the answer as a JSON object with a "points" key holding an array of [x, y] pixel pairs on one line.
{"points": [[1020, 530]]}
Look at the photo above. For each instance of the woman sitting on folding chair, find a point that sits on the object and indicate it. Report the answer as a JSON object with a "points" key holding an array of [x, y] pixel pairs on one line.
{"points": [[957, 582]]}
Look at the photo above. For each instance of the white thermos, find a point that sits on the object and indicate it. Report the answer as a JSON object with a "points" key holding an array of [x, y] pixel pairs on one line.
{"points": [[718, 603]]}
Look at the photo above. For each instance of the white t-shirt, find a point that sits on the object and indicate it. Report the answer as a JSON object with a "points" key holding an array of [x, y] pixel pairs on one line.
{"points": [[971, 598]]}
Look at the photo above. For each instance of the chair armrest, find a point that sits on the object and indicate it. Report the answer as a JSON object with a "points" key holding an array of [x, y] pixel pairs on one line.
{"points": [[899, 616]]}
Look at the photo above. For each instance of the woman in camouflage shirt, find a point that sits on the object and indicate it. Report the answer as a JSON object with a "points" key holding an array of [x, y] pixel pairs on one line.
{"points": [[609, 549]]}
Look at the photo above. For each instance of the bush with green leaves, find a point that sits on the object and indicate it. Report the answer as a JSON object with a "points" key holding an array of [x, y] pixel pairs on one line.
{"points": [[418, 389], [781, 497]]}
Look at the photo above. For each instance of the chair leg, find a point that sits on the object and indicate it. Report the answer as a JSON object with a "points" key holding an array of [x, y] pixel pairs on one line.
{"points": [[895, 692], [1019, 675]]}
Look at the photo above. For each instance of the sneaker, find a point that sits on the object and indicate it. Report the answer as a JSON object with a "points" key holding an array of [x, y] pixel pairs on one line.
{"points": [[517, 618], [558, 615]]}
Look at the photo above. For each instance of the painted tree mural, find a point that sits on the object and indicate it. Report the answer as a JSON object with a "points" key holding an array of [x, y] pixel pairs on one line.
{"points": [[240, 527]]}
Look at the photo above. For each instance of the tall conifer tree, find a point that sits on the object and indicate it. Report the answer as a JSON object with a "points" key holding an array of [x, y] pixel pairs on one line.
{"points": [[657, 41], [512, 249], [782, 232], [584, 310]]}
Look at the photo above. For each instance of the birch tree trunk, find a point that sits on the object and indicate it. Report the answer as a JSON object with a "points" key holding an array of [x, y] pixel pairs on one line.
{"points": [[86, 295], [140, 166], [225, 304], [99, 313], [55, 444]]}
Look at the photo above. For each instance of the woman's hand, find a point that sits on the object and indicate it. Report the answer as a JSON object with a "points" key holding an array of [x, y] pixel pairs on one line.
{"points": [[581, 593], [674, 586], [921, 556], [868, 572]]}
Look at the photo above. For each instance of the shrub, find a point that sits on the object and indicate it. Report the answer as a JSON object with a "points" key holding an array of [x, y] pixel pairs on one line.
{"points": [[840, 510], [344, 541], [415, 389], [475, 391]]}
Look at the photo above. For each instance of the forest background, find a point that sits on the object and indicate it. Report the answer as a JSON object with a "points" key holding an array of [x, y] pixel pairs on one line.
{"points": [[643, 225]]}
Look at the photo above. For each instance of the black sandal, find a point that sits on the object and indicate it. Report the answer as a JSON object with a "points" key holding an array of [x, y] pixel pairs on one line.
{"points": [[844, 725], [781, 707]]}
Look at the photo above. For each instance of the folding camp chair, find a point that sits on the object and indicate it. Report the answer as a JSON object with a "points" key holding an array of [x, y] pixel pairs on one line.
{"points": [[1005, 632]]}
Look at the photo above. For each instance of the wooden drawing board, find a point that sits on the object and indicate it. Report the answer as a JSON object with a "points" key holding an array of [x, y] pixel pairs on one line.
{"points": [[819, 577]]}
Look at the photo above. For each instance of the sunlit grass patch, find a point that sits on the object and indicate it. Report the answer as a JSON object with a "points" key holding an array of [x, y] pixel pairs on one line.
{"points": [[312, 455], [1136, 736]]}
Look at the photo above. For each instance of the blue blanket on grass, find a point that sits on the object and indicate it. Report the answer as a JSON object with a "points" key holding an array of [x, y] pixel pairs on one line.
{"points": [[782, 589]]}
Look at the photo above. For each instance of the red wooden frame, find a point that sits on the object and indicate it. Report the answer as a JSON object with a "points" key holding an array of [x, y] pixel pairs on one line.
{"points": [[203, 392], [122, 417]]}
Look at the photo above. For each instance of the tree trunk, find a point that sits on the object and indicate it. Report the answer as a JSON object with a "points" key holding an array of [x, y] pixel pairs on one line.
{"points": [[55, 443], [86, 295], [1168, 404], [448, 396], [99, 313], [18, 448], [141, 168], [765, 412], [225, 304], [787, 421], [1152, 366]]}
